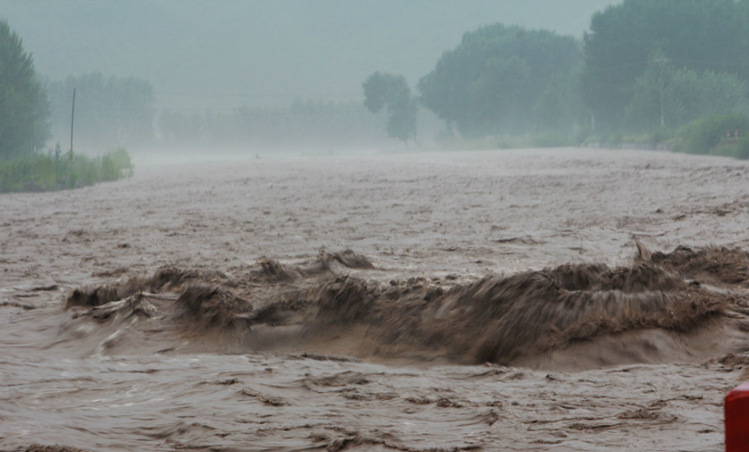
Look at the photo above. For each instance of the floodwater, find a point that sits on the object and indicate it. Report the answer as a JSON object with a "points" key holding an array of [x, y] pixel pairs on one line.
{"points": [[566, 299]]}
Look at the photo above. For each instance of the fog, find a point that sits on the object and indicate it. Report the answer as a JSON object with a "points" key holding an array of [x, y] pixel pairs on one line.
{"points": [[206, 60], [226, 53]]}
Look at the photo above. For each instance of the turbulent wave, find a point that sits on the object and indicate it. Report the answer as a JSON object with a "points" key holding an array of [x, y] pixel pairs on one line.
{"points": [[323, 305], [716, 265]]}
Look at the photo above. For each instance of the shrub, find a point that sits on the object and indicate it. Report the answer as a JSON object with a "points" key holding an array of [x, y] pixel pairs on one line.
{"points": [[116, 165], [707, 135], [742, 148], [45, 173]]}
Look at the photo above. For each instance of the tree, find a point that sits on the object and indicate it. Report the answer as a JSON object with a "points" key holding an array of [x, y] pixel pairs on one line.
{"points": [[666, 96], [708, 93], [698, 35], [493, 80], [23, 102], [382, 90], [650, 100], [559, 107]]}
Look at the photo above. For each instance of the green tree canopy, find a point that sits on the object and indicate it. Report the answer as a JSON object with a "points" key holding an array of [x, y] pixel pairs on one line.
{"points": [[698, 35], [23, 102], [666, 96], [389, 91], [493, 80]]}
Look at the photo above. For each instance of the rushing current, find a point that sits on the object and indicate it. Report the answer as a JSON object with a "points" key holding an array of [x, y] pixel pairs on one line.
{"points": [[567, 299]]}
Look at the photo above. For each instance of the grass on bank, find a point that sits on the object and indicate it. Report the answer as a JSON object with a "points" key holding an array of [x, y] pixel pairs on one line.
{"points": [[47, 172]]}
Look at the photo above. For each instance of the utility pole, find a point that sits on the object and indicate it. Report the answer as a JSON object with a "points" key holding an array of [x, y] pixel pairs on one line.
{"points": [[661, 62], [72, 122], [662, 89]]}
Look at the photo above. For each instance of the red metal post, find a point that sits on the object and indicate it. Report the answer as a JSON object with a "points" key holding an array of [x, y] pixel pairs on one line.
{"points": [[737, 418]]}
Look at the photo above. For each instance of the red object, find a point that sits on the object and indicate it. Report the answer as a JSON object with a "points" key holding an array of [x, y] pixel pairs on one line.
{"points": [[737, 418]]}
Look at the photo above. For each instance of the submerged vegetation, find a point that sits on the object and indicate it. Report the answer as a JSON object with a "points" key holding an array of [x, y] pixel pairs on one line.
{"points": [[49, 172]]}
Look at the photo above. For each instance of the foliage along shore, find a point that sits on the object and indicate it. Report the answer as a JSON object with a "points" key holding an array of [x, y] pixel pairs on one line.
{"points": [[725, 135], [38, 172]]}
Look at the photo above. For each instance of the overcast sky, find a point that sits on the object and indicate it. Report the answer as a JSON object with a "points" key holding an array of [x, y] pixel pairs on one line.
{"points": [[220, 54]]}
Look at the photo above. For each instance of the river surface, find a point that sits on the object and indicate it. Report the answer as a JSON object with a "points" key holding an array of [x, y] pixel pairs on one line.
{"points": [[492, 300]]}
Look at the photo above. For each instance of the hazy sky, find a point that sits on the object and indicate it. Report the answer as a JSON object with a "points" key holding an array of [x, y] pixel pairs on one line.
{"points": [[220, 54]]}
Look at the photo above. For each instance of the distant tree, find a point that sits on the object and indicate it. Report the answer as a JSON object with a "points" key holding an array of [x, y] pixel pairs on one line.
{"points": [[666, 96], [306, 124], [559, 107], [698, 35], [493, 80], [183, 128], [23, 102], [653, 101], [391, 92], [706, 93], [109, 111]]}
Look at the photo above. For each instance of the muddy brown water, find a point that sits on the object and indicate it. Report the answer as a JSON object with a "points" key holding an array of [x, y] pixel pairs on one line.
{"points": [[405, 301]]}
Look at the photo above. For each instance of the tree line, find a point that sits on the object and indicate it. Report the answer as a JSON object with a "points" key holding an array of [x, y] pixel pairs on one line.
{"points": [[109, 111], [643, 66], [305, 124], [113, 112]]}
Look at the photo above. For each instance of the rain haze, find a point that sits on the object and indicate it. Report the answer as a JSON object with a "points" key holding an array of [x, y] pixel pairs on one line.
{"points": [[373, 225], [227, 53], [229, 62]]}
